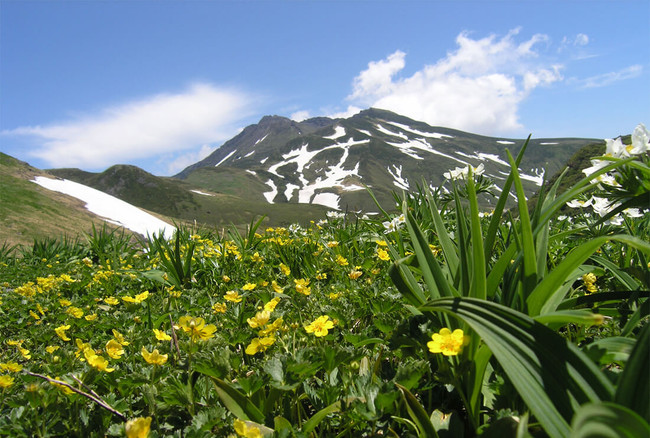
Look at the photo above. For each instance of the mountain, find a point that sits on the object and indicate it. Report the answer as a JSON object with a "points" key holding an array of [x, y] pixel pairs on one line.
{"points": [[330, 161]]}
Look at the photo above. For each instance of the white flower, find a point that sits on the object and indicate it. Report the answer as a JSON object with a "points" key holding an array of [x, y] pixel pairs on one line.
{"points": [[615, 148], [603, 206], [576, 203], [640, 140], [335, 215], [633, 212], [394, 225], [462, 172]]}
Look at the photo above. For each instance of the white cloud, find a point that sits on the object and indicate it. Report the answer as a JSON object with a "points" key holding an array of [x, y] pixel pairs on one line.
{"points": [[605, 79], [478, 87], [299, 116], [181, 162], [150, 127]]}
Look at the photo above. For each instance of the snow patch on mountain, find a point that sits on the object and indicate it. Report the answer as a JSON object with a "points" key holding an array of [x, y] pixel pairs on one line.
{"points": [[270, 196], [423, 145], [227, 156], [199, 192], [261, 139], [110, 208], [398, 180], [422, 133], [505, 142], [538, 178], [492, 157], [386, 131], [339, 131]]}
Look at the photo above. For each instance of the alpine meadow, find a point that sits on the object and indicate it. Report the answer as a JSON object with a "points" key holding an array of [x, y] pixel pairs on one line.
{"points": [[498, 300]]}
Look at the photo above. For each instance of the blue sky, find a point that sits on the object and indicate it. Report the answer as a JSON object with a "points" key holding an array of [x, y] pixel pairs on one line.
{"points": [[161, 84]]}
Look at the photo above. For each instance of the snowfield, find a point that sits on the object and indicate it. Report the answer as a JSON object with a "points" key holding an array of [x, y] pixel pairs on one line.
{"points": [[110, 208]]}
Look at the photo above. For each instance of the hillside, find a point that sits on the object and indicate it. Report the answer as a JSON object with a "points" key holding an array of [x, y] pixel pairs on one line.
{"points": [[29, 211]]}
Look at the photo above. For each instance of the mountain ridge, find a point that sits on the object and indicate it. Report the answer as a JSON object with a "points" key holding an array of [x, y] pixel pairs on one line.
{"points": [[329, 161]]}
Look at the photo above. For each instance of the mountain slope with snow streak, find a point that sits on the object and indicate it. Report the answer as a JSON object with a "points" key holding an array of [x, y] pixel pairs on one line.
{"points": [[331, 161], [110, 208]]}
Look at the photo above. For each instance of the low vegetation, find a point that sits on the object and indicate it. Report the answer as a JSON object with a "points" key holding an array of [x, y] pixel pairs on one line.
{"points": [[438, 321]]}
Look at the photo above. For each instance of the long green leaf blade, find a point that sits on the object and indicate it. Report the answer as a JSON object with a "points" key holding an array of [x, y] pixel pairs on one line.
{"points": [[550, 374]]}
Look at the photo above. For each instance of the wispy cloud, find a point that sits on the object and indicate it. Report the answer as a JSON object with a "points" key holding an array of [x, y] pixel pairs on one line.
{"points": [[609, 78], [162, 124], [478, 87]]}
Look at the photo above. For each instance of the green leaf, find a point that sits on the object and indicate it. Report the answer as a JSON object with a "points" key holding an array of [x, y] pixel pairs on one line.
{"points": [[501, 203], [434, 278], [478, 287], [605, 420], [529, 273], [560, 318], [552, 282], [449, 250], [634, 386], [605, 351], [237, 402], [309, 425], [417, 414], [550, 374]]}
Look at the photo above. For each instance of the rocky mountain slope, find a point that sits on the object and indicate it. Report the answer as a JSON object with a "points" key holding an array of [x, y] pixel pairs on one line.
{"points": [[330, 162]]}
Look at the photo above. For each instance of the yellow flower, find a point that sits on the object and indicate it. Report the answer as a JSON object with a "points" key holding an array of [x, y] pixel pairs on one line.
{"points": [[114, 349], [260, 319], [34, 315], [320, 326], [271, 328], [589, 281], [119, 338], [51, 348], [276, 287], [112, 301], [91, 317], [6, 381], [24, 352], [353, 275], [225, 279], [270, 306], [96, 361], [196, 328], [247, 431], [12, 367], [64, 303], [285, 269], [259, 345], [249, 286], [153, 358], [219, 308], [302, 286], [75, 312], [332, 244], [161, 335], [447, 342], [138, 427], [60, 331], [342, 261], [256, 257], [138, 298], [382, 243], [232, 296], [334, 295], [382, 254]]}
